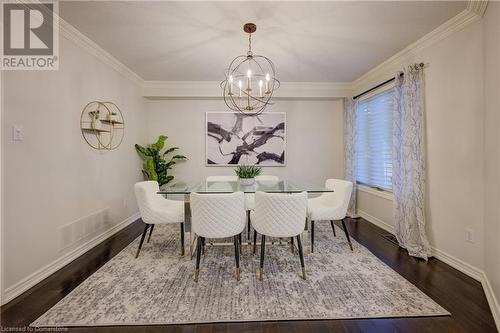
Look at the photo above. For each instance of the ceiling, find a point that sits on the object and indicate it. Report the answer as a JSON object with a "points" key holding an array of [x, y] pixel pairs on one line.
{"points": [[307, 41]]}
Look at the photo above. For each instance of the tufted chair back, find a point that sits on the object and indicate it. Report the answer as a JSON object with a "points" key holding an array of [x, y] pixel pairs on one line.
{"points": [[279, 214], [262, 180], [217, 215], [153, 207], [341, 195]]}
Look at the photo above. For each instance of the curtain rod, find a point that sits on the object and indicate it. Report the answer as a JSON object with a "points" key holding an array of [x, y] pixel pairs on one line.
{"points": [[420, 65]]}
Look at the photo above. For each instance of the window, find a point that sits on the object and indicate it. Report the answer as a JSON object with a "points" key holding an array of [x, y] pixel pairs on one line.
{"points": [[374, 139]]}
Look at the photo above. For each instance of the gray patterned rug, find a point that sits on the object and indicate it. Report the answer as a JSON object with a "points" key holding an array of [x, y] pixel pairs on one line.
{"points": [[158, 287]]}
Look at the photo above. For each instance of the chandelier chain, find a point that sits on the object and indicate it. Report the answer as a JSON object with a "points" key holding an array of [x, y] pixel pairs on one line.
{"points": [[249, 44]]}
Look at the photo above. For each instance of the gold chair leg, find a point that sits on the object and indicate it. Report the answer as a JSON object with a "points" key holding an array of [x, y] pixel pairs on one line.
{"points": [[261, 274], [150, 232], [301, 255], [196, 274], [347, 234], [237, 274]]}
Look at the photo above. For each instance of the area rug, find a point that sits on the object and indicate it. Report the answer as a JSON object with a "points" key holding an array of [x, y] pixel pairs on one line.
{"points": [[158, 287]]}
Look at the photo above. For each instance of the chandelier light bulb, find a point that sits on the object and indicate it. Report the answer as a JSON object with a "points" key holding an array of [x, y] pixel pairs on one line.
{"points": [[230, 84], [260, 88], [249, 80], [240, 85]]}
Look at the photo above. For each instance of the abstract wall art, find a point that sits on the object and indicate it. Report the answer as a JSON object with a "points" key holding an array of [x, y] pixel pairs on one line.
{"points": [[235, 138]]}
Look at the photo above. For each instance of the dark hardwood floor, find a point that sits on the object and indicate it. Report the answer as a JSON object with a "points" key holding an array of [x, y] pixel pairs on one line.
{"points": [[456, 292]]}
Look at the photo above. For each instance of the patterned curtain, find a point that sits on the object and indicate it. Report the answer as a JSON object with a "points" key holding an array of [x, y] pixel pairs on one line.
{"points": [[350, 161], [408, 174]]}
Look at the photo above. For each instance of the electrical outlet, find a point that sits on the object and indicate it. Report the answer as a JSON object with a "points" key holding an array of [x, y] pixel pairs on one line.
{"points": [[469, 235], [17, 133]]}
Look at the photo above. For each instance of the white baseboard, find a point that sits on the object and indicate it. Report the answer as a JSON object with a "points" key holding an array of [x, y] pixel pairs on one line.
{"points": [[462, 266], [454, 262], [17, 289], [378, 222], [492, 299]]}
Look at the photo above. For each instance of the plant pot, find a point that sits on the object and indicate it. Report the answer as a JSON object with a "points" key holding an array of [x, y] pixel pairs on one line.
{"points": [[112, 117], [247, 181]]}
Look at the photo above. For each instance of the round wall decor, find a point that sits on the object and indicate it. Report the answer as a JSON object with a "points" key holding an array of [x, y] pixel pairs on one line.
{"points": [[102, 125]]}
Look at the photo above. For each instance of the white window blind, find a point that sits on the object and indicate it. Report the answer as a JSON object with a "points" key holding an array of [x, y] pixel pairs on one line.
{"points": [[374, 139]]}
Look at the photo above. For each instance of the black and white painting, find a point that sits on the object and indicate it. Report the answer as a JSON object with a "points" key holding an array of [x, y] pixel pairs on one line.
{"points": [[233, 138]]}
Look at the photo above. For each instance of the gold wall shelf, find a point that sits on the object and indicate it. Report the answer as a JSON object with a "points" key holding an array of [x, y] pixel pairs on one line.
{"points": [[102, 125]]}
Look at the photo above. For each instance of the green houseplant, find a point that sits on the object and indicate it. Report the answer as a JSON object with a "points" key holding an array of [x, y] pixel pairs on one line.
{"points": [[112, 116], [156, 166], [247, 173]]}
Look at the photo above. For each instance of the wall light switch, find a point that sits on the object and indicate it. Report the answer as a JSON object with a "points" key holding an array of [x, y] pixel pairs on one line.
{"points": [[469, 235], [17, 133]]}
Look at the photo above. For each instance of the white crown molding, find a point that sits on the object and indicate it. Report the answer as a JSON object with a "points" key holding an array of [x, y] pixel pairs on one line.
{"points": [[390, 66], [211, 89], [288, 90], [71, 33], [477, 6], [17, 289], [327, 90]]}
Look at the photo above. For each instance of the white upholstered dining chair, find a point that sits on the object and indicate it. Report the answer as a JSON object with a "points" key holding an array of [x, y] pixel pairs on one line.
{"points": [[155, 209], [264, 180], [331, 206], [217, 216], [279, 215]]}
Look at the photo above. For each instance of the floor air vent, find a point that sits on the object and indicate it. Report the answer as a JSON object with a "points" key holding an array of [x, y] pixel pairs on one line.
{"points": [[391, 238]]}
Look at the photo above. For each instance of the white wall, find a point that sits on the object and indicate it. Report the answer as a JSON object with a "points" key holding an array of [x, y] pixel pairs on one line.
{"points": [[454, 140], [53, 177], [492, 145], [314, 137]]}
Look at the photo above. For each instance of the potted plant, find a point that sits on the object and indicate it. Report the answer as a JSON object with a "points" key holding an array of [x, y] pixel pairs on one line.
{"points": [[111, 116], [94, 119], [157, 165], [247, 173]]}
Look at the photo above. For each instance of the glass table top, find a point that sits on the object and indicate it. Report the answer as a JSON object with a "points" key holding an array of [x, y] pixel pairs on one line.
{"points": [[281, 186]]}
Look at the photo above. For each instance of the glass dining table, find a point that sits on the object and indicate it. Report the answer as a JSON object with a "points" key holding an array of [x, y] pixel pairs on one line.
{"points": [[270, 186], [214, 187]]}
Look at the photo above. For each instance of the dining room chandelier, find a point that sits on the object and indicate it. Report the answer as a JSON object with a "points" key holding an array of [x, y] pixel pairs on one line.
{"points": [[250, 80]]}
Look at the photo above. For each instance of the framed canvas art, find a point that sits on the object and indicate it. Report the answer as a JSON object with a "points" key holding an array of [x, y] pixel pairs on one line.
{"points": [[233, 138]]}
